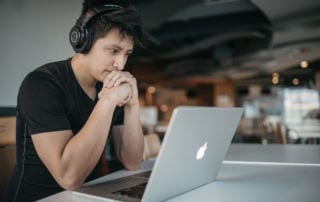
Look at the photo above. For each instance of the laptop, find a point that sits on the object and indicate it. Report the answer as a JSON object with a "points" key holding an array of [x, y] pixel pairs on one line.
{"points": [[192, 151]]}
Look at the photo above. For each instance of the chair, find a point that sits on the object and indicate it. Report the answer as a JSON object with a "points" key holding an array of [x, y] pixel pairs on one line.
{"points": [[7, 130], [279, 134], [8, 161], [7, 149]]}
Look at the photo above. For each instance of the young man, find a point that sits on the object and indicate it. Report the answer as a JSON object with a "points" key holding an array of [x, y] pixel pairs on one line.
{"points": [[67, 109]]}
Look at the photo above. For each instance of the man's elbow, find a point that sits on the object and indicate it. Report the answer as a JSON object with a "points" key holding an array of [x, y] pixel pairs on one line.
{"points": [[133, 166], [70, 183], [131, 162]]}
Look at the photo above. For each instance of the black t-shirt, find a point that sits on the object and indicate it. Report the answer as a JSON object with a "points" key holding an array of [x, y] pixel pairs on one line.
{"points": [[49, 99]]}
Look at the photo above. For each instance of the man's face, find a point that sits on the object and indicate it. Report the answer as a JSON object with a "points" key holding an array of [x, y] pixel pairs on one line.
{"points": [[108, 54]]}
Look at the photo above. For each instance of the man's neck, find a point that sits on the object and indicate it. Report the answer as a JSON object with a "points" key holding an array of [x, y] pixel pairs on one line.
{"points": [[84, 78]]}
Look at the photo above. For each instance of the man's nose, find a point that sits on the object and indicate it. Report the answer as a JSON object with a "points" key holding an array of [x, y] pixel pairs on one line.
{"points": [[120, 63]]}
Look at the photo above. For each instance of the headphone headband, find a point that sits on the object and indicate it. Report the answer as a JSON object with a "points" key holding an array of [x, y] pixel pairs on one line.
{"points": [[80, 36], [106, 8], [98, 9]]}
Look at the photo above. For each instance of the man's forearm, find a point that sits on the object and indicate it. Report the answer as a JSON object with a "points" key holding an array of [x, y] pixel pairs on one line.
{"points": [[83, 151], [132, 146]]}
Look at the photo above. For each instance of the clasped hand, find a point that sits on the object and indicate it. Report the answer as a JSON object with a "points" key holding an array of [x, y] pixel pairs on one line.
{"points": [[121, 87]]}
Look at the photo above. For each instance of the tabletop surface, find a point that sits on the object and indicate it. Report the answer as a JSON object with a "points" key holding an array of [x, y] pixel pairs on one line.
{"points": [[263, 183], [249, 173]]}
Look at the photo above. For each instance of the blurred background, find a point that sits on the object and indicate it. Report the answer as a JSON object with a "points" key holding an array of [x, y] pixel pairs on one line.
{"points": [[260, 55], [263, 55]]}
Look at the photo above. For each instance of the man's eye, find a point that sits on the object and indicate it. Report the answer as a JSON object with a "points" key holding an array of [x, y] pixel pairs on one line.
{"points": [[114, 51]]}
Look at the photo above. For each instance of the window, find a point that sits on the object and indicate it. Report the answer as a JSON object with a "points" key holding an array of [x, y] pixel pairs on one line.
{"points": [[298, 103]]}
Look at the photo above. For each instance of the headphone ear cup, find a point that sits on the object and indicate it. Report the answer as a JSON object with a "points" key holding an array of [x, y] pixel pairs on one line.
{"points": [[76, 38], [87, 43]]}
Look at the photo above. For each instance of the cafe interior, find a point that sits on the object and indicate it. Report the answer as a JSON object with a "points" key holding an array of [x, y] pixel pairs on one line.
{"points": [[263, 56], [258, 55]]}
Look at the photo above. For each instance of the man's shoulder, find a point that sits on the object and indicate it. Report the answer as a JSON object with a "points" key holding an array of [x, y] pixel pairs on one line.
{"points": [[54, 67], [49, 75], [50, 70]]}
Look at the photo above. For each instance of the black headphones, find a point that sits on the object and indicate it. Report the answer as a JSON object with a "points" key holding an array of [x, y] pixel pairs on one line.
{"points": [[81, 34]]}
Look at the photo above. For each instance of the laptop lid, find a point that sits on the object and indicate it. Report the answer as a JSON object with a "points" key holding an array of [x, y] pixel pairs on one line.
{"points": [[192, 151]]}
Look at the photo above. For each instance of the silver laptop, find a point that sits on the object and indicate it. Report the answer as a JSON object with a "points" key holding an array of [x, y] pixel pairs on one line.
{"points": [[192, 151]]}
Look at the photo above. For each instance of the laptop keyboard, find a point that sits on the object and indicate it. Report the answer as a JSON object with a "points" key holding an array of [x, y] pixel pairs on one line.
{"points": [[135, 191], [132, 192]]}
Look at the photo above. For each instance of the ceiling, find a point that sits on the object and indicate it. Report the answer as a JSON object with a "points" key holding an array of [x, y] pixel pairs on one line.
{"points": [[247, 41]]}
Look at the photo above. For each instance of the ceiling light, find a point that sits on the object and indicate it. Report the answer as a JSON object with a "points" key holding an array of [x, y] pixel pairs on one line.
{"points": [[304, 64], [275, 80], [295, 81], [275, 74]]}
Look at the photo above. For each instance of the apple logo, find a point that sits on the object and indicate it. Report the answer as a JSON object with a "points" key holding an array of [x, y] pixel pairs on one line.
{"points": [[201, 151]]}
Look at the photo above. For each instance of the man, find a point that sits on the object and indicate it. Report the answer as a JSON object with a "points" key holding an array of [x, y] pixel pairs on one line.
{"points": [[67, 109]]}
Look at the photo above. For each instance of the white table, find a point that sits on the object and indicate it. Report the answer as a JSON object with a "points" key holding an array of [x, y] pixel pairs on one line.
{"points": [[249, 173], [259, 183], [290, 153]]}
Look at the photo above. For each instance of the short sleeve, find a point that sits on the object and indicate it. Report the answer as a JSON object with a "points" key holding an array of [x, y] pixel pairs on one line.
{"points": [[42, 103]]}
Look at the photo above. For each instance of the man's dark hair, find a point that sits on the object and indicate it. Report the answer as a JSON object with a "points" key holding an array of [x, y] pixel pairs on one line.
{"points": [[127, 20]]}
